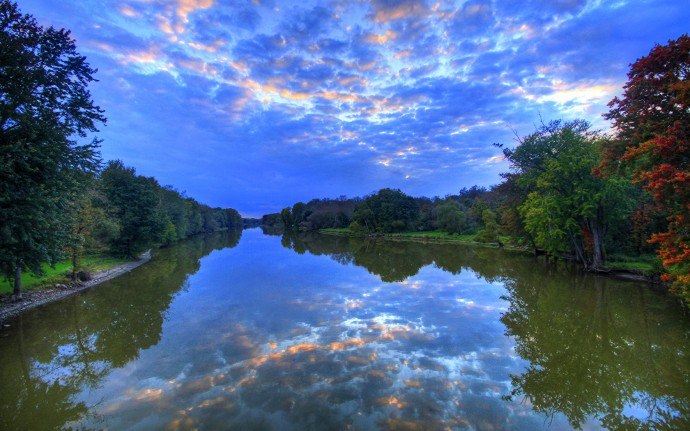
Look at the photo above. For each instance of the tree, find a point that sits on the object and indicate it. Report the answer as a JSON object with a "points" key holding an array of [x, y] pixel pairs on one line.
{"points": [[450, 217], [133, 200], [568, 208], [490, 231], [387, 211], [91, 227], [45, 109], [286, 216], [513, 195], [653, 140]]}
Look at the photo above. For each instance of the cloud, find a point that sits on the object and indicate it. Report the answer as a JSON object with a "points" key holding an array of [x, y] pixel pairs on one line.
{"points": [[393, 10]]}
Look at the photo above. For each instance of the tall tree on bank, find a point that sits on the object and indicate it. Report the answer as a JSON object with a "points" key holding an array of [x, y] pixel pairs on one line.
{"points": [[653, 140], [45, 108], [568, 209]]}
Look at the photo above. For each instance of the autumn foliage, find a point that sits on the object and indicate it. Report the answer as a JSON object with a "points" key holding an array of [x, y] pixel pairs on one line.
{"points": [[653, 131]]}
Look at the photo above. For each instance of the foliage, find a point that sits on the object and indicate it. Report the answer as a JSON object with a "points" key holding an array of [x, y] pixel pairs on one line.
{"points": [[387, 211], [490, 231], [45, 108], [450, 218], [148, 214], [461, 213], [273, 219], [653, 140], [567, 209], [132, 199], [92, 228], [512, 194], [317, 214]]}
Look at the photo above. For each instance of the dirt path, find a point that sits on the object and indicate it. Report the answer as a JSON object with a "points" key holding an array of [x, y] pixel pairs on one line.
{"points": [[33, 298]]}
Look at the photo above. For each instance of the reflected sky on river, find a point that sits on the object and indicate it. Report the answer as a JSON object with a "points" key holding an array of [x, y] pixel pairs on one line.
{"points": [[313, 332]]}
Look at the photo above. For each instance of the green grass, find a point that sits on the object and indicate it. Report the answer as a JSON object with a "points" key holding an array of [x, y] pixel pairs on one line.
{"points": [[60, 273], [336, 231], [432, 235], [435, 234], [645, 264]]}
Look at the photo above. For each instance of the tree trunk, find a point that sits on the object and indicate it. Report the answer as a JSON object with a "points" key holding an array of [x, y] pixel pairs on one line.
{"points": [[18, 281], [74, 264], [598, 257], [598, 231], [579, 252]]}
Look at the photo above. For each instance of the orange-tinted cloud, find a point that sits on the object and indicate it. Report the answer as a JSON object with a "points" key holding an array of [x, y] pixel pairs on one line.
{"points": [[384, 11]]}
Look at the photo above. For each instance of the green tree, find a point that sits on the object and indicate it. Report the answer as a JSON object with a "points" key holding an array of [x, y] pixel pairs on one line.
{"points": [[450, 217], [45, 110], [387, 211], [178, 212], [286, 215], [92, 228], [489, 233], [299, 214], [569, 208], [513, 195], [133, 200]]}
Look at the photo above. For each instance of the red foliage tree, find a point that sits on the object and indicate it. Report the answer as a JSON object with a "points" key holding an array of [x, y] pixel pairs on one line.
{"points": [[652, 121]]}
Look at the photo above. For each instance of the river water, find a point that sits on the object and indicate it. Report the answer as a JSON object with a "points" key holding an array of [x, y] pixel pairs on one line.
{"points": [[249, 331]]}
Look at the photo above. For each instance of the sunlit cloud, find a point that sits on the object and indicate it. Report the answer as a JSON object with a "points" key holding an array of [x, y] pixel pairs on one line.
{"points": [[128, 11], [381, 39], [495, 159], [581, 94], [385, 11], [186, 7]]}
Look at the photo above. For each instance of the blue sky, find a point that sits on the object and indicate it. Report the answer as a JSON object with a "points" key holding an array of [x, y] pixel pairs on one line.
{"points": [[256, 105]]}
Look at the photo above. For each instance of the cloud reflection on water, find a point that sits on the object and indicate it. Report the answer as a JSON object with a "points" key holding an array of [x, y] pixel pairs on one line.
{"points": [[427, 352], [332, 337]]}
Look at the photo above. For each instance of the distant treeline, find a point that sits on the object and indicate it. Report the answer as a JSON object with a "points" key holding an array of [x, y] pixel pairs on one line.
{"points": [[125, 213], [552, 201], [390, 210], [555, 199]]}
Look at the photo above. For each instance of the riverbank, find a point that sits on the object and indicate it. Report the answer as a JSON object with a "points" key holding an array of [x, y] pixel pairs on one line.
{"points": [[10, 307], [612, 269]]}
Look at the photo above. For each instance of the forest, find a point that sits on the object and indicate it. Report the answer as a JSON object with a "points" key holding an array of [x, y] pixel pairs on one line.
{"points": [[571, 191]]}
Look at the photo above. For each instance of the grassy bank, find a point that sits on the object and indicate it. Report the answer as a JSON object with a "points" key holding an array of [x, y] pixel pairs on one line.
{"points": [[436, 235], [648, 265], [61, 272]]}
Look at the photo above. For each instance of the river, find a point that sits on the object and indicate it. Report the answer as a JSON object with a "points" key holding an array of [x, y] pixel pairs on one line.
{"points": [[250, 331]]}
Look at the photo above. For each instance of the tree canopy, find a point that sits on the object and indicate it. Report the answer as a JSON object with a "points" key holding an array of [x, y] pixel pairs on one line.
{"points": [[653, 140], [45, 112], [386, 211], [567, 208]]}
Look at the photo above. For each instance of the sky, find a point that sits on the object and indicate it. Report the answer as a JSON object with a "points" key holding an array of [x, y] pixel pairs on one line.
{"points": [[256, 105]]}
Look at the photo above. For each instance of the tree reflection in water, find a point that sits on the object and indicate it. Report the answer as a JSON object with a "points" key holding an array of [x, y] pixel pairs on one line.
{"points": [[45, 367], [592, 351]]}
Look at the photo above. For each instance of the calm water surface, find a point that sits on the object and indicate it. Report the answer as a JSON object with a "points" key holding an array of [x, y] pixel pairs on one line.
{"points": [[313, 332]]}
